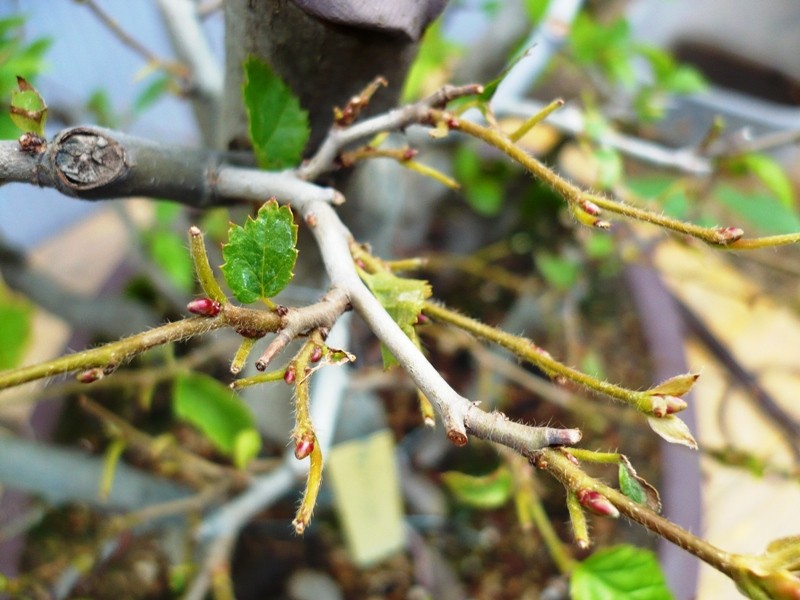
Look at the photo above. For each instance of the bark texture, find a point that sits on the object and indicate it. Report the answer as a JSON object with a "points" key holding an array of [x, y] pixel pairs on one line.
{"points": [[324, 61]]}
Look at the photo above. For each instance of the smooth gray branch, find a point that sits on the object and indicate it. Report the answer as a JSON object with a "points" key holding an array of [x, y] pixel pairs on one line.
{"points": [[206, 80]]}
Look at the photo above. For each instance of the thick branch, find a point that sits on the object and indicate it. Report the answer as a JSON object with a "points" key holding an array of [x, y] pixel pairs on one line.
{"points": [[93, 163]]}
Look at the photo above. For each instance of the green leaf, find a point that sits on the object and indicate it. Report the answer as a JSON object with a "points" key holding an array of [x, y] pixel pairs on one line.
{"points": [[428, 70], [28, 109], [619, 572], [772, 175], [151, 94], [630, 487], [535, 9], [260, 256], [219, 414], [403, 299], [15, 330], [761, 211], [486, 492], [559, 272], [485, 196], [16, 60], [168, 250], [609, 167], [279, 128]]}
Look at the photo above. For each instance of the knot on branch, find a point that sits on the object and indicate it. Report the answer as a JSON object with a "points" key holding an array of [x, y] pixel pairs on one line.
{"points": [[84, 159]]}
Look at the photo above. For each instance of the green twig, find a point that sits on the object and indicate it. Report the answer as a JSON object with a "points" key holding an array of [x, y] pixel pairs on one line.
{"points": [[527, 350], [726, 237]]}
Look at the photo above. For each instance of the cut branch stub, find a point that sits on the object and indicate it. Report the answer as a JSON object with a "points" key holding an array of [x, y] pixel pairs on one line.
{"points": [[85, 159]]}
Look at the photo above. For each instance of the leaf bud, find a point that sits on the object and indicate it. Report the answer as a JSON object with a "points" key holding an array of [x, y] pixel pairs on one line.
{"points": [[304, 447], [596, 503], [205, 307]]}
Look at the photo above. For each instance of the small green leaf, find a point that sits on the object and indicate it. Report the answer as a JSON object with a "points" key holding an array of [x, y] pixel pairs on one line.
{"points": [[168, 250], [429, 68], [636, 487], [28, 109], [151, 94], [772, 175], [260, 256], [609, 167], [486, 492], [559, 272], [279, 127], [15, 330], [219, 414], [403, 299], [619, 572], [630, 487], [761, 211], [485, 196]]}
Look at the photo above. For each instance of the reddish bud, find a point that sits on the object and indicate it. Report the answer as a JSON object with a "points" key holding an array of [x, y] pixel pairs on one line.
{"points": [[281, 310], [290, 375], [90, 375], [422, 319], [205, 307], [316, 354], [666, 405], [303, 448], [590, 207], [453, 123], [596, 503], [728, 235], [409, 153], [311, 220]]}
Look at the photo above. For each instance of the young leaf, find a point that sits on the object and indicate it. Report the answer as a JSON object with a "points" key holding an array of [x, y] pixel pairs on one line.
{"points": [[279, 128], [15, 330], [260, 256], [217, 412], [636, 488], [672, 429], [619, 572], [403, 299], [761, 211], [772, 175], [28, 109], [486, 492]]}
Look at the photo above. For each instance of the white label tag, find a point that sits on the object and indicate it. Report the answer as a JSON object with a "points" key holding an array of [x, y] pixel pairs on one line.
{"points": [[367, 497]]}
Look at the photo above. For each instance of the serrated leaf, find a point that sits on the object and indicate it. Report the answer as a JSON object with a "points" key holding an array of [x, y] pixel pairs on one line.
{"points": [[219, 414], [637, 488], [619, 572], [260, 256], [672, 429], [279, 127], [403, 299], [486, 492], [28, 109], [15, 330]]}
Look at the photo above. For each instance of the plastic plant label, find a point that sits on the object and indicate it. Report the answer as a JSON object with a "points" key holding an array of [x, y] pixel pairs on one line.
{"points": [[366, 490]]}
